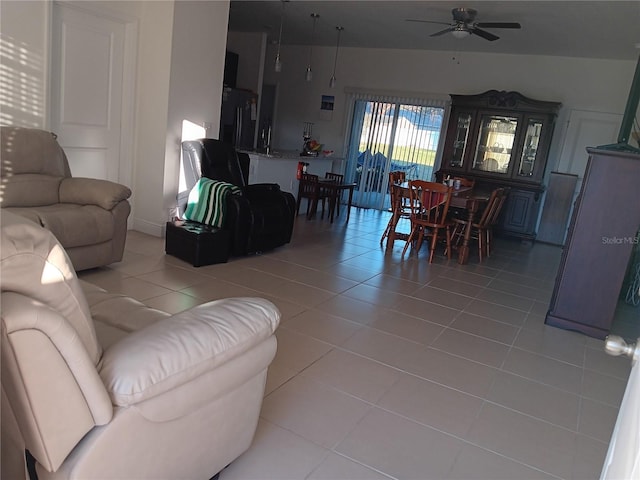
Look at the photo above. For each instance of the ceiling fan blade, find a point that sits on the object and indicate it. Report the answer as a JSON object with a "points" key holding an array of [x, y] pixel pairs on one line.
{"points": [[498, 25], [484, 34], [442, 32], [424, 21]]}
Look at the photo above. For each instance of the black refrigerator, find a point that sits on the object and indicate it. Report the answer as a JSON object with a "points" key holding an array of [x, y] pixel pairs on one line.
{"points": [[238, 118]]}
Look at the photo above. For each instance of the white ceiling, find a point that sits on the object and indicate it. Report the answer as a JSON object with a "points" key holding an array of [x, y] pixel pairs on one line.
{"points": [[595, 29]]}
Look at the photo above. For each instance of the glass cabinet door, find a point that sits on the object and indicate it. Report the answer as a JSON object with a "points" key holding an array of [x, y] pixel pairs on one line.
{"points": [[495, 143], [530, 148], [460, 140]]}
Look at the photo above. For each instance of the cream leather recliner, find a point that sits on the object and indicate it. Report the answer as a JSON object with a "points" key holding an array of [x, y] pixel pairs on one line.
{"points": [[96, 385], [87, 215]]}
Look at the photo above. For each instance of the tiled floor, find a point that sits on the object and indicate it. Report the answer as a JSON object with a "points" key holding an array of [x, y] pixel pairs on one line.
{"points": [[391, 368]]}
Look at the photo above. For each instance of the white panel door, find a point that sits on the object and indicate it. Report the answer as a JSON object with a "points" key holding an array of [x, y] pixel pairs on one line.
{"points": [[586, 129], [87, 82]]}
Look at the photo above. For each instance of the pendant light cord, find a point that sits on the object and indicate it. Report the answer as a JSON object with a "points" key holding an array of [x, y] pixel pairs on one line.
{"points": [[335, 60]]}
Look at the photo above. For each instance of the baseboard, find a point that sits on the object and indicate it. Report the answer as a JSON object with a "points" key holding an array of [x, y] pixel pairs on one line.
{"points": [[150, 228]]}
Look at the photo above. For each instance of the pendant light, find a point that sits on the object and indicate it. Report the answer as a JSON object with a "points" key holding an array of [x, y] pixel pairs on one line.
{"points": [[309, 75], [332, 81], [278, 64]]}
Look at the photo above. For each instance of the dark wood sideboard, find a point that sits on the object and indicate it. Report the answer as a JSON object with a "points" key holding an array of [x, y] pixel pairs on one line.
{"points": [[601, 236]]}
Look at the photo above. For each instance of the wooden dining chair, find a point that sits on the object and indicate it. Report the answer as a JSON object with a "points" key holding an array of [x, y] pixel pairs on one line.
{"points": [[309, 188], [482, 228], [429, 203], [399, 204], [339, 178]]}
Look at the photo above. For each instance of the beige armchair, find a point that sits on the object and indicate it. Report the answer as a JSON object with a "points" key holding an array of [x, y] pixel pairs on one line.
{"points": [[88, 216], [96, 385]]}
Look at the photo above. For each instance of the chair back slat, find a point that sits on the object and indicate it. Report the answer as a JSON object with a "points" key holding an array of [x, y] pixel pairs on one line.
{"points": [[309, 185], [492, 210], [334, 176], [429, 201]]}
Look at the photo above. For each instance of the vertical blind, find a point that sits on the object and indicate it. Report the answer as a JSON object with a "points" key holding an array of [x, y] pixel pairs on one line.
{"points": [[388, 132]]}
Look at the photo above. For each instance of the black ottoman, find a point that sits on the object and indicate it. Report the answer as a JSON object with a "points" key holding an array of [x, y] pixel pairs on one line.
{"points": [[197, 243]]}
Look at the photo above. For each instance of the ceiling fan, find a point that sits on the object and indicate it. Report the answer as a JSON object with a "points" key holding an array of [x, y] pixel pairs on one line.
{"points": [[464, 25]]}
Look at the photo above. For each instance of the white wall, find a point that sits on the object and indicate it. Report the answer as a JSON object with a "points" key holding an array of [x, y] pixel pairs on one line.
{"points": [[248, 46], [579, 83], [24, 36], [195, 91]]}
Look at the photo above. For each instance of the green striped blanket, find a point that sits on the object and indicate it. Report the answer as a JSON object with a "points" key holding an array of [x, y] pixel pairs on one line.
{"points": [[207, 201]]}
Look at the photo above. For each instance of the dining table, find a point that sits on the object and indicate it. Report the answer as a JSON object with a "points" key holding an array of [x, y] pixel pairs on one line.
{"points": [[465, 198], [336, 188]]}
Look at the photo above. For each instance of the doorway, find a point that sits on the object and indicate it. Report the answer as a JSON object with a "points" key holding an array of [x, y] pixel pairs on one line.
{"points": [[388, 135]]}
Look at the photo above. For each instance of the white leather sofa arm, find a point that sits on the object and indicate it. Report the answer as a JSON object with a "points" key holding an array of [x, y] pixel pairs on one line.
{"points": [[92, 191], [46, 367], [175, 350]]}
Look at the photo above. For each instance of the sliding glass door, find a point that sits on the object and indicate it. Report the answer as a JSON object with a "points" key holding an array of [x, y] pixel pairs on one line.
{"points": [[388, 135]]}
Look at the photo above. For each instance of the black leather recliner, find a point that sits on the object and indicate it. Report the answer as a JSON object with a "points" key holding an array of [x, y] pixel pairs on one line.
{"points": [[262, 217]]}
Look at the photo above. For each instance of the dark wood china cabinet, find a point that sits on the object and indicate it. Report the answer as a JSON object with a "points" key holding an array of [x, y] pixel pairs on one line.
{"points": [[499, 139]]}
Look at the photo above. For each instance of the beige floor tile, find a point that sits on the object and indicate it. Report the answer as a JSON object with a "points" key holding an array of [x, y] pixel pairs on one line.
{"points": [[603, 388], [374, 295], [476, 274], [277, 375], [479, 464], [173, 302], [424, 310], [544, 370], [456, 286], [337, 467], [443, 297], [597, 419], [523, 438], [406, 326], [599, 361], [534, 321], [133, 287], [321, 325], [380, 346], [514, 288], [399, 447], [215, 289], [275, 454], [297, 351], [471, 347], [313, 410], [351, 309], [494, 311], [506, 299], [536, 399], [358, 376], [450, 370], [174, 278], [588, 457], [485, 327], [393, 284], [431, 404], [552, 342]]}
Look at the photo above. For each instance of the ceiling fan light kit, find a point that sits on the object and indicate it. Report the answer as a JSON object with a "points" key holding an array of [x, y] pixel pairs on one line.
{"points": [[460, 33]]}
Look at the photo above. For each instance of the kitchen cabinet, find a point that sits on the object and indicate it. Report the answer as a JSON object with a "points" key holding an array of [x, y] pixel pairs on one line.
{"points": [[502, 139]]}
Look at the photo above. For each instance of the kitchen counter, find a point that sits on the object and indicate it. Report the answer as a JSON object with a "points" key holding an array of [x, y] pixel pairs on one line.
{"points": [[281, 168]]}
